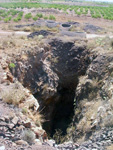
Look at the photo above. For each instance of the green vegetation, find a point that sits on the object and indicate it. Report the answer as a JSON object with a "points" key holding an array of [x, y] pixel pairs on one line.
{"points": [[51, 17], [45, 17], [12, 65], [28, 16], [94, 11], [7, 19], [8, 15], [35, 18], [40, 15]]}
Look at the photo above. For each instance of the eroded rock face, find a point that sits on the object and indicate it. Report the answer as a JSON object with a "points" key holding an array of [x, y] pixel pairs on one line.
{"points": [[71, 61], [94, 99], [60, 63]]}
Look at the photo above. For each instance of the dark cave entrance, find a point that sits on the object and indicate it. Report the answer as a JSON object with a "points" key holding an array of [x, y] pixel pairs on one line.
{"points": [[62, 113]]}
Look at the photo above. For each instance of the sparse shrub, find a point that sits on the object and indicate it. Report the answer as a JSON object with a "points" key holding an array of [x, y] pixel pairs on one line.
{"points": [[23, 37], [21, 14], [58, 137], [6, 20], [27, 29], [28, 136], [45, 17], [12, 65], [108, 121], [14, 12], [51, 17], [10, 18], [24, 110], [35, 18], [4, 15], [40, 37], [37, 117], [28, 16], [40, 15], [69, 20], [14, 95], [15, 20], [91, 44]]}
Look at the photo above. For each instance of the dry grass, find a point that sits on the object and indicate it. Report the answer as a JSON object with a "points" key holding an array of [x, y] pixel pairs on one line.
{"points": [[110, 147], [24, 110], [95, 83], [55, 59], [91, 44], [33, 28], [108, 121], [37, 117], [91, 109], [15, 45], [14, 95]]}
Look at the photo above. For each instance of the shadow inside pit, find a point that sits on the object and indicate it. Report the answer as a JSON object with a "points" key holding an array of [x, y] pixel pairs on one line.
{"points": [[62, 114]]}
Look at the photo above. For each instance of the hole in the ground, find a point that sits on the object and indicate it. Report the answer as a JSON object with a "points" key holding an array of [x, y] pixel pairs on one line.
{"points": [[53, 82], [66, 25], [62, 113]]}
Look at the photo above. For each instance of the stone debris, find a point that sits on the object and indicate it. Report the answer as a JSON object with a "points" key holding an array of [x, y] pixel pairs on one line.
{"points": [[91, 28], [41, 32]]}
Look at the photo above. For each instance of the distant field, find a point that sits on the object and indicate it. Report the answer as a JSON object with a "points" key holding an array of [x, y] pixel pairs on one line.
{"points": [[93, 11]]}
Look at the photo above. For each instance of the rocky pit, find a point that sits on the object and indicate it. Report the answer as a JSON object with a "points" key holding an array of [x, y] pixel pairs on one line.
{"points": [[73, 86], [52, 73]]}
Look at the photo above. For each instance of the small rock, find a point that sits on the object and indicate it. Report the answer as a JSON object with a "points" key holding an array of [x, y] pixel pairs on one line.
{"points": [[2, 134], [10, 77], [14, 144], [21, 127], [2, 118], [3, 123], [5, 66], [6, 119], [38, 142], [15, 120], [8, 135], [10, 126], [51, 142], [27, 124], [21, 142]]}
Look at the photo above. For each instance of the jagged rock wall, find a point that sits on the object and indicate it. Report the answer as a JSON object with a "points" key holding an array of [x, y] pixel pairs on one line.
{"points": [[49, 71], [93, 100]]}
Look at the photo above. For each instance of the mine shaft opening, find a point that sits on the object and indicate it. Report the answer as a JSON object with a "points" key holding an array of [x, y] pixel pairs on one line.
{"points": [[62, 113], [53, 83]]}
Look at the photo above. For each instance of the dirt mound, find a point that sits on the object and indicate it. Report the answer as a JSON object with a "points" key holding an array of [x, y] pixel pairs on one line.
{"points": [[41, 32]]}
